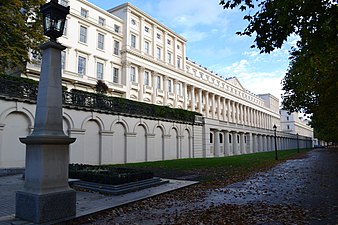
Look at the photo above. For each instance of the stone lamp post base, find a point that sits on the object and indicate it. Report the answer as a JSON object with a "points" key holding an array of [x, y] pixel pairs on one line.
{"points": [[46, 196]]}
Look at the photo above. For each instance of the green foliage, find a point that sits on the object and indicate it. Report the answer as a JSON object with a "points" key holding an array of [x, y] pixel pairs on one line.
{"points": [[101, 87], [20, 32], [107, 174], [311, 83], [126, 106]]}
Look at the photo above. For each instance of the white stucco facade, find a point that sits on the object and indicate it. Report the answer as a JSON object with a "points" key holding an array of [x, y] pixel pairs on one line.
{"points": [[143, 60]]}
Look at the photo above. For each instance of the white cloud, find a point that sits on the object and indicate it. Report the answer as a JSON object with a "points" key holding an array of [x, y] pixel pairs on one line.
{"points": [[255, 81], [190, 13], [194, 36]]}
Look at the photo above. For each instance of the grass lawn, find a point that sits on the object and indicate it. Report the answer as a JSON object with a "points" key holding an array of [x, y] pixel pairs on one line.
{"points": [[220, 167]]}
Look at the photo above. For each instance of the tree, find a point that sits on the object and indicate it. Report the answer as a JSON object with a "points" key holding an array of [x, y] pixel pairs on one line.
{"points": [[101, 87], [20, 32], [311, 82]]}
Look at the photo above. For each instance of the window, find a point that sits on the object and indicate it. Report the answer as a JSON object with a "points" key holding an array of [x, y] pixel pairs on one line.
{"points": [[115, 75], [169, 42], [146, 78], [132, 74], [65, 28], [178, 46], [83, 34], [116, 47], [178, 62], [100, 41], [211, 136], [116, 28], [287, 118], [230, 138], [63, 60], [237, 138], [146, 47], [99, 71], [146, 29], [84, 13], [179, 89], [158, 53], [64, 3], [158, 36], [81, 67], [169, 86], [288, 127], [220, 138], [158, 82], [244, 139], [102, 21], [133, 41], [169, 57]]}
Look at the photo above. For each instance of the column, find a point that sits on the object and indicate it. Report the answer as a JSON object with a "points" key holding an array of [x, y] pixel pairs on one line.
{"points": [[233, 112], [228, 112], [237, 113], [254, 143], [192, 98], [165, 49], [153, 48], [235, 143], [175, 93], [259, 143], [265, 146], [207, 104], [249, 143], [224, 110], [219, 107], [200, 101], [213, 108], [242, 143], [165, 90], [126, 77], [185, 94], [141, 35], [154, 75], [241, 114], [216, 143], [141, 83], [226, 143]]}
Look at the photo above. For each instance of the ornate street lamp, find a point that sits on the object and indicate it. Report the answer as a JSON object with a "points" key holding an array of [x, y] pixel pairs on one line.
{"points": [[46, 195], [54, 18], [275, 130]]}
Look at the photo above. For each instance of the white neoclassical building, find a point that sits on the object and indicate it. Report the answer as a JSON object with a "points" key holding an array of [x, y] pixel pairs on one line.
{"points": [[143, 60]]}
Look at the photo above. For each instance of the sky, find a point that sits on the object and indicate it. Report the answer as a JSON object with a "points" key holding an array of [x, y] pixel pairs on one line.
{"points": [[212, 41]]}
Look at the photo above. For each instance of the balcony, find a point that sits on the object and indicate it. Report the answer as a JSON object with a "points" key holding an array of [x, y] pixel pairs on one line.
{"points": [[159, 92]]}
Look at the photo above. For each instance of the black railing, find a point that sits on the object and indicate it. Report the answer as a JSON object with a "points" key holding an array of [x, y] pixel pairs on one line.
{"points": [[21, 90]]}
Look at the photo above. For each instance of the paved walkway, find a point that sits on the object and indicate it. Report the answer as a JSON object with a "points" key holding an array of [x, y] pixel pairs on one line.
{"points": [[310, 183], [87, 203]]}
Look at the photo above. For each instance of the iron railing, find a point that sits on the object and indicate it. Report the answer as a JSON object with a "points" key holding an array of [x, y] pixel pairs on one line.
{"points": [[23, 91]]}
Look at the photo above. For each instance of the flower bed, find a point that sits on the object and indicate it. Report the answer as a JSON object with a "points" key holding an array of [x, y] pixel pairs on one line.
{"points": [[107, 174]]}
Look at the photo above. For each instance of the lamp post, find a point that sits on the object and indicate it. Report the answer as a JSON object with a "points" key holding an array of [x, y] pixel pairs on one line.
{"points": [[275, 130], [46, 195], [297, 143]]}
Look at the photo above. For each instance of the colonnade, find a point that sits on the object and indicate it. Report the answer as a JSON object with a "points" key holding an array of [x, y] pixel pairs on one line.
{"points": [[168, 91], [231, 142]]}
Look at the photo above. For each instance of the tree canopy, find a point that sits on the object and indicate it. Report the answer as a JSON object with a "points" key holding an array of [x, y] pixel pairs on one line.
{"points": [[20, 32], [311, 83]]}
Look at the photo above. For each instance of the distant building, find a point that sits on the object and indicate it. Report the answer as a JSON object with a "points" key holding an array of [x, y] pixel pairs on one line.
{"points": [[294, 124]]}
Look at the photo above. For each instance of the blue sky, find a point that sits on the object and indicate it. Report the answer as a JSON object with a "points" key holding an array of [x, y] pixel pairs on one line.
{"points": [[212, 41]]}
